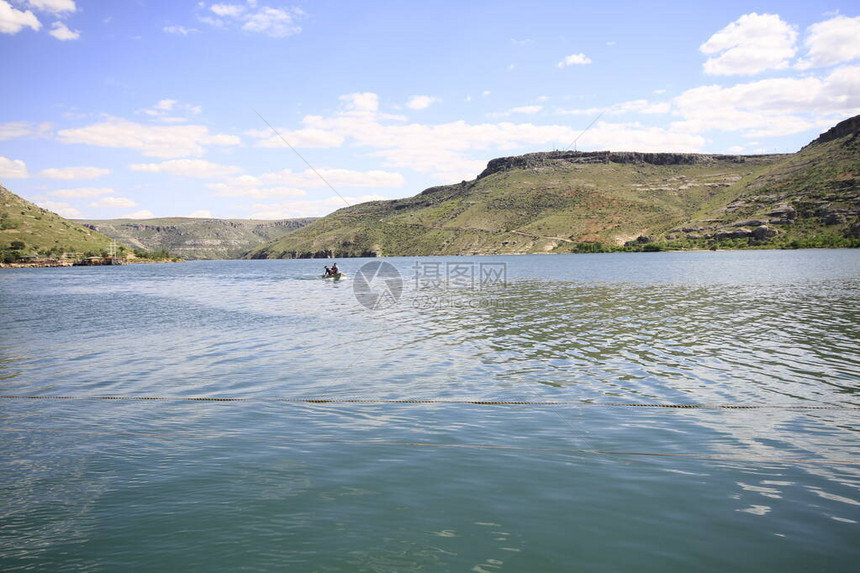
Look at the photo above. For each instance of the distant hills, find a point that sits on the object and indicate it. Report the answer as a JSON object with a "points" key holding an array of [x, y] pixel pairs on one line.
{"points": [[556, 202], [191, 238], [29, 230], [599, 201]]}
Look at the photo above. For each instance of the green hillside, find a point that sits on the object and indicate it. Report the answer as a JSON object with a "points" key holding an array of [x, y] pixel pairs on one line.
{"points": [[28, 230], [192, 238], [593, 201]]}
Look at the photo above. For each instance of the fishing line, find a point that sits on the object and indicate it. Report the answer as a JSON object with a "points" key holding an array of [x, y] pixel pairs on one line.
{"points": [[584, 130], [303, 159]]}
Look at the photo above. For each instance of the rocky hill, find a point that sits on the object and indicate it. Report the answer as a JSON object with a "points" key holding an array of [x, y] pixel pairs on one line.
{"points": [[598, 201], [191, 238], [29, 230]]}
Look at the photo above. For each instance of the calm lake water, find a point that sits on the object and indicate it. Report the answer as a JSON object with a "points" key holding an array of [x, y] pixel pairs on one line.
{"points": [[598, 468]]}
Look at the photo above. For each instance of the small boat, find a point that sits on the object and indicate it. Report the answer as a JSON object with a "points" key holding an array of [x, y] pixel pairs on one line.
{"points": [[336, 276]]}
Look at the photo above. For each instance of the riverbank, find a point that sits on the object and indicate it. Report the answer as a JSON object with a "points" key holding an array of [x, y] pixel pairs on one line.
{"points": [[50, 263]]}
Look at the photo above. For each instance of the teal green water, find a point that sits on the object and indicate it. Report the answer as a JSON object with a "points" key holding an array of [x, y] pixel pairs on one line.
{"points": [[590, 483]]}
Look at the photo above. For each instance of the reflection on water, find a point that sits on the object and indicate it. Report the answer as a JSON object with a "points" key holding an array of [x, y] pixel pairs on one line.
{"points": [[89, 485]]}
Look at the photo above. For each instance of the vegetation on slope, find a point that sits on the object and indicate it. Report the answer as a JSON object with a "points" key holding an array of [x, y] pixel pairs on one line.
{"points": [[27, 230], [602, 201]]}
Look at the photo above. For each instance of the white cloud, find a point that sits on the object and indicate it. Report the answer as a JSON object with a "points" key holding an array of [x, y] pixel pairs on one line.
{"points": [[228, 10], [636, 137], [420, 102], [144, 214], [16, 129], [165, 104], [574, 60], [61, 32], [750, 45], [771, 107], [69, 173], [274, 22], [53, 6], [153, 141], [335, 177], [113, 202], [12, 169], [635, 106], [179, 30], [13, 21], [61, 209], [189, 168], [203, 214], [82, 192], [831, 42], [297, 138], [524, 109], [306, 207], [527, 109], [228, 190], [171, 111], [362, 102]]}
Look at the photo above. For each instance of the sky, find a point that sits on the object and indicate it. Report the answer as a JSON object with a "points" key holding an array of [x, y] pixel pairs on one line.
{"points": [[266, 109]]}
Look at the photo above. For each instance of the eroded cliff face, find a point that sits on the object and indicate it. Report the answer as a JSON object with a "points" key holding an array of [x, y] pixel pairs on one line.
{"points": [[196, 238], [561, 158]]}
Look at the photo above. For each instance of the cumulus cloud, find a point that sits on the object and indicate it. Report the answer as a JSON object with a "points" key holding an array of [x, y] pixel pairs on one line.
{"points": [[82, 192], [335, 177], [203, 214], [13, 20], [458, 150], [420, 102], [171, 111], [143, 214], [61, 209], [361, 102], [179, 30], [831, 42], [574, 60], [153, 141], [113, 202], [189, 168], [12, 169], [69, 173], [61, 32], [228, 10], [771, 107], [274, 22], [635, 106], [16, 129], [53, 6], [750, 45], [527, 109], [297, 138], [306, 207], [276, 192]]}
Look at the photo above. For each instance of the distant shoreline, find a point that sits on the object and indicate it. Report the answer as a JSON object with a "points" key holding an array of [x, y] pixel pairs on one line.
{"points": [[55, 264]]}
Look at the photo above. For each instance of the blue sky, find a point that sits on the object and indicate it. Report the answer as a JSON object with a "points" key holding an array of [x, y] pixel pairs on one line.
{"points": [[140, 108]]}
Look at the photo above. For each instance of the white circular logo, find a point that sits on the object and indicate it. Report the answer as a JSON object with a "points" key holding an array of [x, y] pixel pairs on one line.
{"points": [[377, 285]]}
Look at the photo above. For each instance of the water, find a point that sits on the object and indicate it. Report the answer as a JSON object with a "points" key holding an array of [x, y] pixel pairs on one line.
{"points": [[589, 483]]}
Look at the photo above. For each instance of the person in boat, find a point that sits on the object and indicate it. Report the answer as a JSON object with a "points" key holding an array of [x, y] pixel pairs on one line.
{"points": [[334, 271], [328, 272]]}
